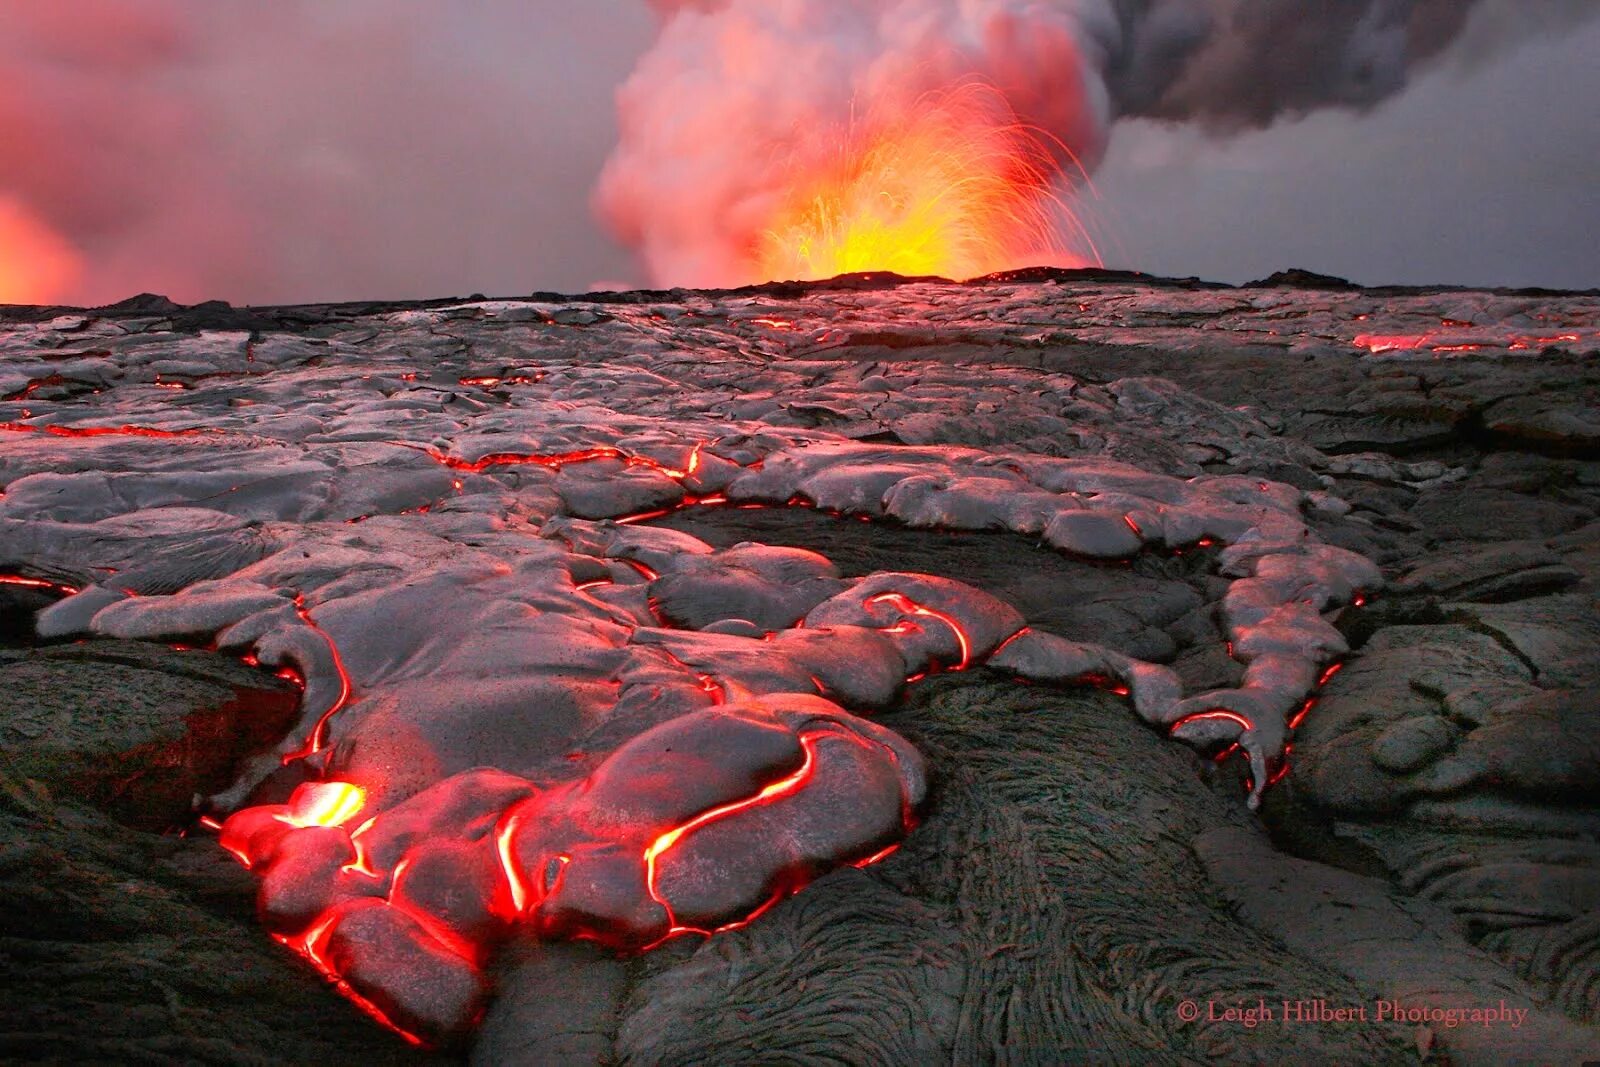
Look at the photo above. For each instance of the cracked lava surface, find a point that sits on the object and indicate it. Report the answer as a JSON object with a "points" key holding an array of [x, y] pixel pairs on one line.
{"points": [[526, 711]]}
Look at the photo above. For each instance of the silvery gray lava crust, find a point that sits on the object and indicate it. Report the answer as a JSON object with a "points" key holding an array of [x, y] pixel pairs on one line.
{"points": [[1341, 542]]}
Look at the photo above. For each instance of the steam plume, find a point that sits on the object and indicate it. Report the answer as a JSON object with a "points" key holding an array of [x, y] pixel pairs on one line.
{"points": [[292, 151], [740, 100]]}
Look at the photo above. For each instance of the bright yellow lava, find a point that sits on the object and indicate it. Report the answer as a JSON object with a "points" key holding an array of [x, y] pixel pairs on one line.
{"points": [[955, 187]]}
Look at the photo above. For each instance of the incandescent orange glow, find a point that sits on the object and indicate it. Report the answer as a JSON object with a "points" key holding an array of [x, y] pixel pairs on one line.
{"points": [[955, 186], [36, 265]]}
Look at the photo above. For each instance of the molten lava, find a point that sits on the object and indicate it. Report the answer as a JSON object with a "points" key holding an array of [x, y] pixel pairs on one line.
{"points": [[952, 186], [324, 804]]}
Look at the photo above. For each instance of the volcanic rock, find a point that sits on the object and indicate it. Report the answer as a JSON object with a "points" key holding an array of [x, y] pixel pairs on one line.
{"points": [[137, 730], [445, 517], [1507, 570]]}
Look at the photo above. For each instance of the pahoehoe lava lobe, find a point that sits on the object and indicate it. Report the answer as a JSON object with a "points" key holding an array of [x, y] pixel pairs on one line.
{"points": [[603, 613]]}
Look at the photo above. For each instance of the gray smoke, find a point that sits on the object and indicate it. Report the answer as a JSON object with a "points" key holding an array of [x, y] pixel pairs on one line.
{"points": [[297, 150], [1237, 64]]}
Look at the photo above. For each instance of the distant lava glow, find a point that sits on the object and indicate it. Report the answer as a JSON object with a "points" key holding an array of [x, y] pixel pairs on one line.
{"points": [[954, 186], [37, 265]]}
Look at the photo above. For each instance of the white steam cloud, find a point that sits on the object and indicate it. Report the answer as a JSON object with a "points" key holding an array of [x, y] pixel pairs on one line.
{"points": [[739, 96], [302, 151]]}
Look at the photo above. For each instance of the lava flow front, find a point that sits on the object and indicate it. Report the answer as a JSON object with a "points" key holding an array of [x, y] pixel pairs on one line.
{"points": [[403, 910], [528, 712]]}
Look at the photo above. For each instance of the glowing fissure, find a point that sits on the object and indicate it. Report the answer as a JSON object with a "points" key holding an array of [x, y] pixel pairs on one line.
{"points": [[901, 602], [318, 737], [1104, 682], [1214, 715], [311, 946], [554, 461], [1282, 770], [490, 382], [1282, 766], [792, 783], [1311, 701], [516, 881], [35, 385], [101, 431], [708, 684], [878, 856], [444, 937], [557, 460], [713, 688], [362, 864], [645, 572], [1447, 343], [24, 582]]}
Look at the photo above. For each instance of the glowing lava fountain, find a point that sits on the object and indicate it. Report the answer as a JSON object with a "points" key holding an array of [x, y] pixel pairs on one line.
{"points": [[953, 186]]}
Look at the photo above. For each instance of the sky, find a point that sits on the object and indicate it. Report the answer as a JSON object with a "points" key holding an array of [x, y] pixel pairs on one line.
{"points": [[1478, 174], [363, 149]]}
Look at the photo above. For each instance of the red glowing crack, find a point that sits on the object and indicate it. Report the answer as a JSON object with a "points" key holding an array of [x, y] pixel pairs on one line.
{"points": [[312, 945], [22, 581], [317, 739], [707, 683], [902, 603], [792, 783], [491, 381], [516, 882], [35, 385], [1432, 341], [104, 431], [557, 460], [1214, 715], [553, 461]]}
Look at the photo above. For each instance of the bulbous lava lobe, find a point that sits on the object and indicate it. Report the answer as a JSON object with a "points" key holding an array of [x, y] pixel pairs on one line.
{"points": [[694, 826], [677, 817]]}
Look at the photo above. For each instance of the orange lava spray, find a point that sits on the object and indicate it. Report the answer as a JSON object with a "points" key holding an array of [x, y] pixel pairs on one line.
{"points": [[954, 185]]}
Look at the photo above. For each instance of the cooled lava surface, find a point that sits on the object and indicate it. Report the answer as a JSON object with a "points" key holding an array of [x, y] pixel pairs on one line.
{"points": [[555, 684]]}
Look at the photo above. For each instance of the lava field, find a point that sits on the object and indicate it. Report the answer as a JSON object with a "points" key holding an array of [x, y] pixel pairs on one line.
{"points": [[887, 670]]}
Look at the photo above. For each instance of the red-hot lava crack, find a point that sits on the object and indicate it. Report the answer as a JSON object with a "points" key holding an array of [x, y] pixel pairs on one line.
{"points": [[22, 581], [1458, 338], [104, 431], [317, 738], [558, 460], [904, 603]]}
